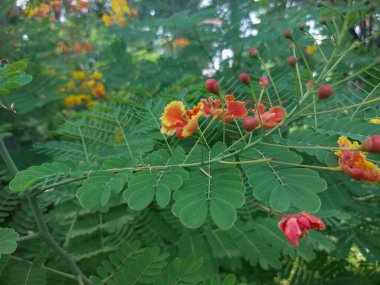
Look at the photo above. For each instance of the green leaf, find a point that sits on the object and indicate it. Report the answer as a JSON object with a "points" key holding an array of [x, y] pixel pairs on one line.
{"points": [[182, 272], [217, 189], [45, 174], [8, 240], [132, 265], [230, 279], [96, 191], [25, 273], [146, 185], [253, 247], [281, 186]]}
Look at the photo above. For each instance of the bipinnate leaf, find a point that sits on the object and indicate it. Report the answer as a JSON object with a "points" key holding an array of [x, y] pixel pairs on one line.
{"points": [[150, 184], [253, 247], [45, 174], [281, 186], [181, 271], [8, 240], [218, 190], [97, 189]]}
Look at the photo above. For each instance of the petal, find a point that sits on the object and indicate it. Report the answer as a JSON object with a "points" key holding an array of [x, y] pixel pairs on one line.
{"points": [[315, 222], [236, 109], [292, 231], [173, 114], [188, 129]]}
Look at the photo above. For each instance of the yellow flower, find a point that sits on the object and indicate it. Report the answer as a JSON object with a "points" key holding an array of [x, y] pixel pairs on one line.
{"points": [[70, 85], [118, 137], [88, 83], [96, 75], [76, 100], [107, 20], [31, 12], [79, 75], [375, 120], [62, 90], [310, 50]]}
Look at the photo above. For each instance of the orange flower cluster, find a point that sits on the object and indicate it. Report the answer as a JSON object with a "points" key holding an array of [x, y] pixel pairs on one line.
{"points": [[177, 120], [76, 47], [82, 88], [354, 163]]}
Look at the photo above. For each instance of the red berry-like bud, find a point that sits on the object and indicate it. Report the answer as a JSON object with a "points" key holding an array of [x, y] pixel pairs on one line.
{"points": [[310, 84], [244, 78], [264, 82], [287, 33], [250, 123], [372, 144], [324, 91], [253, 52], [301, 26], [332, 2], [292, 60], [212, 86]]}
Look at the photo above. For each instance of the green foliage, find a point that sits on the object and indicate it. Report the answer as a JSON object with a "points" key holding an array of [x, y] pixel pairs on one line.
{"points": [[217, 189], [146, 208], [281, 185], [8, 241]]}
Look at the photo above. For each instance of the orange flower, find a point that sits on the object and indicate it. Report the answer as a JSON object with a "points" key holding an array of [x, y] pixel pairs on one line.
{"points": [[297, 226], [354, 163], [180, 42], [271, 118], [173, 121], [232, 109], [77, 48], [98, 89], [63, 47], [88, 46]]}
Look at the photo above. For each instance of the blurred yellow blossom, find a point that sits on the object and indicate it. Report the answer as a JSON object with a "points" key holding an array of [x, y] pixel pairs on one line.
{"points": [[79, 75], [375, 120], [70, 85], [310, 50], [118, 137], [88, 83], [96, 75], [76, 100]]}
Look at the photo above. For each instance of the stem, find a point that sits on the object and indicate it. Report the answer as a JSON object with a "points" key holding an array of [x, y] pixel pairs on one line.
{"points": [[44, 231], [46, 235], [270, 78], [7, 158], [264, 207], [28, 237]]}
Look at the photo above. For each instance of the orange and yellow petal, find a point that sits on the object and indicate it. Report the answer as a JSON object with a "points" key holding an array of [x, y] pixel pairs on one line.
{"points": [[191, 126], [173, 114]]}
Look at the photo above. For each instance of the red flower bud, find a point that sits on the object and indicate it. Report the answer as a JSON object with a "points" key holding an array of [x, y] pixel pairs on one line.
{"points": [[292, 60], [264, 82], [244, 78], [372, 144], [324, 91], [250, 123], [310, 84], [212, 86], [301, 26], [253, 52], [287, 33], [332, 2]]}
